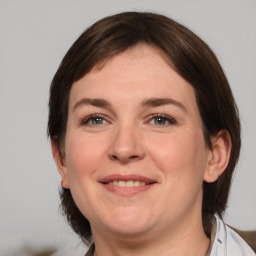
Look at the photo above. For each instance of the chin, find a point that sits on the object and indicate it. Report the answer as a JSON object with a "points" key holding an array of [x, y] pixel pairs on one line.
{"points": [[129, 232], [130, 225]]}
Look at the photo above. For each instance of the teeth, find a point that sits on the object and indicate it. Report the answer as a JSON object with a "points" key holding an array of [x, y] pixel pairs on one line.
{"points": [[121, 183], [129, 183]]}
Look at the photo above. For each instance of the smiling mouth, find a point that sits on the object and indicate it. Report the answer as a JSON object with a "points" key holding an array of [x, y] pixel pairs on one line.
{"points": [[128, 183]]}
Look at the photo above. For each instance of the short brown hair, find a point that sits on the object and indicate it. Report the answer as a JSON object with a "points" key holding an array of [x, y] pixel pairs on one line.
{"points": [[187, 54]]}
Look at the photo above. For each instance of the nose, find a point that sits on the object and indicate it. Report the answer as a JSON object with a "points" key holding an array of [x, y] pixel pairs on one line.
{"points": [[126, 145]]}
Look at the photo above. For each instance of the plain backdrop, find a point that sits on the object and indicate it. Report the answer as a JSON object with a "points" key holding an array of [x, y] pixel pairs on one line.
{"points": [[34, 36]]}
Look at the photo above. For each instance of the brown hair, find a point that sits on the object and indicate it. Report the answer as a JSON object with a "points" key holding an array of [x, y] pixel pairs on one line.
{"points": [[187, 54]]}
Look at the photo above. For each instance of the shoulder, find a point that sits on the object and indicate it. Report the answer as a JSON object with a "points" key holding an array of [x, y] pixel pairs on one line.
{"points": [[237, 245], [228, 242]]}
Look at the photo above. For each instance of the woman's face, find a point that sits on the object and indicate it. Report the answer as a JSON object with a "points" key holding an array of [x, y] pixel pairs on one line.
{"points": [[135, 155]]}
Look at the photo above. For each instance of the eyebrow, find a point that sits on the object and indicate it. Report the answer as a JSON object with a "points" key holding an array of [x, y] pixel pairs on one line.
{"points": [[156, 102], [152, 102], [94, 102]]}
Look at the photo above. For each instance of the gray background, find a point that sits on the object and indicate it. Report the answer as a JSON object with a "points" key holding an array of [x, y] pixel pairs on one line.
{"points": [[34, 36]]}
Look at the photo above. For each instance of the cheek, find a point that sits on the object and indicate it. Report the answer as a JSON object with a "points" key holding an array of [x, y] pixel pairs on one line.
{"points": [[181, 160], [180, 155], [84, 154]]}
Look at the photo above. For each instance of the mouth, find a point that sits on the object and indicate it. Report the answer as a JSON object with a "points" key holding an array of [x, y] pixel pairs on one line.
{"points": [[127, 185]]}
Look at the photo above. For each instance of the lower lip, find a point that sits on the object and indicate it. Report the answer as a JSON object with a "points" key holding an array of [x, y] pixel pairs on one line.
{"points": [[127, 191]]}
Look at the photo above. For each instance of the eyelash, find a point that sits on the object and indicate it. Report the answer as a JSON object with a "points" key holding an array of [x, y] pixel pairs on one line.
{"points": [[166, 118], [93, 117], [170, 120]]}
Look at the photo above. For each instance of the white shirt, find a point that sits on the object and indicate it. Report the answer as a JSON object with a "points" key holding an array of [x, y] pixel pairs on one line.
{"points": [[226, 242]]}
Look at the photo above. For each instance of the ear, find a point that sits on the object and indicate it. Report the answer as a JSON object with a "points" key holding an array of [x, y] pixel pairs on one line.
{"points": [[60, 163], [219, 156]]}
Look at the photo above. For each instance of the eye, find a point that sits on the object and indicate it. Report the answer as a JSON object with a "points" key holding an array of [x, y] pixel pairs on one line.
{"points": [[94, 120], [162, 120]]}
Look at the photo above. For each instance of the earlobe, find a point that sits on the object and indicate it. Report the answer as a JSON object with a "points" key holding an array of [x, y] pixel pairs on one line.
{"points": [[60, 163], [219, 157]]}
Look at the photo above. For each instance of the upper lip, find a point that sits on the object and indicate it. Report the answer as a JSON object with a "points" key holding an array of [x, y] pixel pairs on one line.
{"points": [[119, 177]]}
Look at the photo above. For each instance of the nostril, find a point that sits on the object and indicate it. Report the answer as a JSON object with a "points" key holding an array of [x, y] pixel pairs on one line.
{"points": [[133, 157], [123, 158], [113, 157]]}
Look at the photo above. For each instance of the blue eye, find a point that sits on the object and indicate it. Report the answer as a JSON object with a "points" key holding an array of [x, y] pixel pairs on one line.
{"points": [[97, 121], [94, 120], [162, 120]]}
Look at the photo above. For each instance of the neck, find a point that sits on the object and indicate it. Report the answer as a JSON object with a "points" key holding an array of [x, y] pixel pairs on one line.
{"points": [[193, 242]]}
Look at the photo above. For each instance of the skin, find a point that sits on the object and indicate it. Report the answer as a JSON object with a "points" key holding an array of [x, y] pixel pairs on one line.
{"points": [[133, 135]]}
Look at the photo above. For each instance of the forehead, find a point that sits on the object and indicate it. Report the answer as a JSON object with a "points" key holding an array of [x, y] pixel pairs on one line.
{"points": [[142, 66], [132, 76], [130, 63]]}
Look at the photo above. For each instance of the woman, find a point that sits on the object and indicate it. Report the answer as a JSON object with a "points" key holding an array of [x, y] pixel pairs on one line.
{"points": [[145, 134]]}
